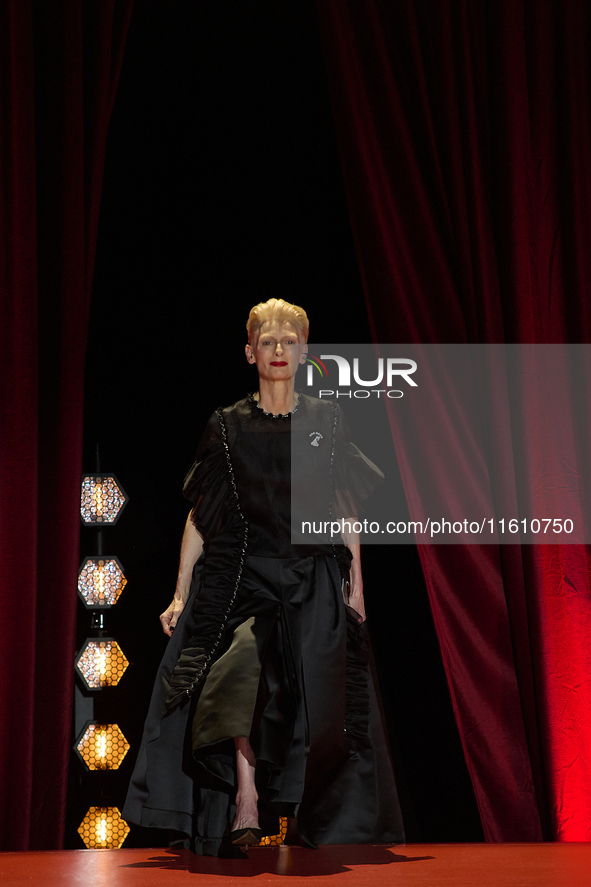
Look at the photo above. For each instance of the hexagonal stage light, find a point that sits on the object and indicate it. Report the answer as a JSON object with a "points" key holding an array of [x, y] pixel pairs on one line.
{"points": [[102, 500], [275, 840], [102, 746], [101, 663], [100, 582], [103, 827]]}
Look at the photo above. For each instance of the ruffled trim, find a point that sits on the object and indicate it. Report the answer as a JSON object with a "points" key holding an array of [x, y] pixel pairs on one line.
{"points": [[357, 702], [220, 580], [222, 574], [187, 675]]}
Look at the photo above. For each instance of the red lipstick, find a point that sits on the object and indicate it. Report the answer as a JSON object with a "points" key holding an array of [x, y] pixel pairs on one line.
{"points": [[278, 363]]}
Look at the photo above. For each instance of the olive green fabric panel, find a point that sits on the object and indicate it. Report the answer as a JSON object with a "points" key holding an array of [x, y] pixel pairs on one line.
{"points": [[226, 705]]}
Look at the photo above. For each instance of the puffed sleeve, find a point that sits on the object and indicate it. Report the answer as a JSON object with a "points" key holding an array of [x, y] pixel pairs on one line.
{"points": [[206, 485], [355, 476]]}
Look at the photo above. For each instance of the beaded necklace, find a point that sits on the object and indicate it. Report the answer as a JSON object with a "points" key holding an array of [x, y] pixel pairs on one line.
{"points": [[254, 401]]}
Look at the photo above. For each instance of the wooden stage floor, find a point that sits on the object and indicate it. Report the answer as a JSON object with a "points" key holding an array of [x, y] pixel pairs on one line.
{"points": [[403, 865]]}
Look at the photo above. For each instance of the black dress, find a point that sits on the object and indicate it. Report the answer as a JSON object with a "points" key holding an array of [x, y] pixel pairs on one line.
{"points": [[266, 648]]}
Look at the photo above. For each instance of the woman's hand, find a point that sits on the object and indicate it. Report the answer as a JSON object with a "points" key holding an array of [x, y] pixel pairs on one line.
{"points": [[191, 548], [170, 617], [356, 601]]}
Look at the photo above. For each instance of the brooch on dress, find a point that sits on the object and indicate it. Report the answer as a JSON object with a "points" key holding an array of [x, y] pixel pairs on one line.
{"points": [[317, 438]]}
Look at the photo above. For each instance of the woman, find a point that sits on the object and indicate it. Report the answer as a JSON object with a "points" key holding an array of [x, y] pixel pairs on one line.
{"points": [[264, 704]]}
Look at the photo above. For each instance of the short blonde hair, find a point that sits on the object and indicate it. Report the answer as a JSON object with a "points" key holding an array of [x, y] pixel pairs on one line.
{"points": [[279, 310]]}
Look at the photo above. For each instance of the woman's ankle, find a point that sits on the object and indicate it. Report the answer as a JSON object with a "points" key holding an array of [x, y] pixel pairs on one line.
{"points": [[248, 797]]}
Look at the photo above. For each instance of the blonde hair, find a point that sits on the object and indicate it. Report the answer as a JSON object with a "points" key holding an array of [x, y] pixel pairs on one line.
{"points": [[279, 310]]}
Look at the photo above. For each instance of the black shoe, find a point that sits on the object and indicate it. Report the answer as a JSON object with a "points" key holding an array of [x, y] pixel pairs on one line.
{"points": [[247, 836]]}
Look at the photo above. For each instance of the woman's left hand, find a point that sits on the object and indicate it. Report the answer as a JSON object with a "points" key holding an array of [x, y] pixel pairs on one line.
{"points": [[356, 603], [355, 600]]}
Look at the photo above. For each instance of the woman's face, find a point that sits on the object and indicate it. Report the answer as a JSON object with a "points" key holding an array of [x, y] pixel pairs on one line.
{"points": [[278, 351]]}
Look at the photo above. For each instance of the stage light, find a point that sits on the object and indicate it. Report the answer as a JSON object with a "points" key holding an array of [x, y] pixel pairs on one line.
{"points": [[102, 499], [101, 663], [275, 840], [100, 582], [102, 746], [103, 827]]}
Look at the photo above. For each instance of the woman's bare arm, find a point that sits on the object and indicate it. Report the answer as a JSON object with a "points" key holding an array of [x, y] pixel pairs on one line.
{"points": [[351, 540], [356, 579], [191, 548]]}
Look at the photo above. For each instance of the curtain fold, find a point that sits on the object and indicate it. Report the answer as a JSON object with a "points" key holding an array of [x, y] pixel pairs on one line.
{"points": [[463, 129], [59, 66]]}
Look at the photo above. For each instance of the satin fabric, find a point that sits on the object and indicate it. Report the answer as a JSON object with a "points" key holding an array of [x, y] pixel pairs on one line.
{"points": [[339, 783], [270, 457], [290, 670]]}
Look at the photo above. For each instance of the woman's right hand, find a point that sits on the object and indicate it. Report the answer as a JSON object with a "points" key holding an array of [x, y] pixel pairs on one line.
{"points": [[170, 617], [191, 548]]}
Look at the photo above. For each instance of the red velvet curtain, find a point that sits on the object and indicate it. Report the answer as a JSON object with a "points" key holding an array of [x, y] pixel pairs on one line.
{"points": [[464, 131], [59, 65]]}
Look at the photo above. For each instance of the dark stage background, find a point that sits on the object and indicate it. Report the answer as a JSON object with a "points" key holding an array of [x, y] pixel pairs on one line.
{"points": [[223, 188]]}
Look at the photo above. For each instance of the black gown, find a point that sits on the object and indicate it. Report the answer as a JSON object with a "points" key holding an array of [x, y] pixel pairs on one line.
{"points": [[267, 648]]}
